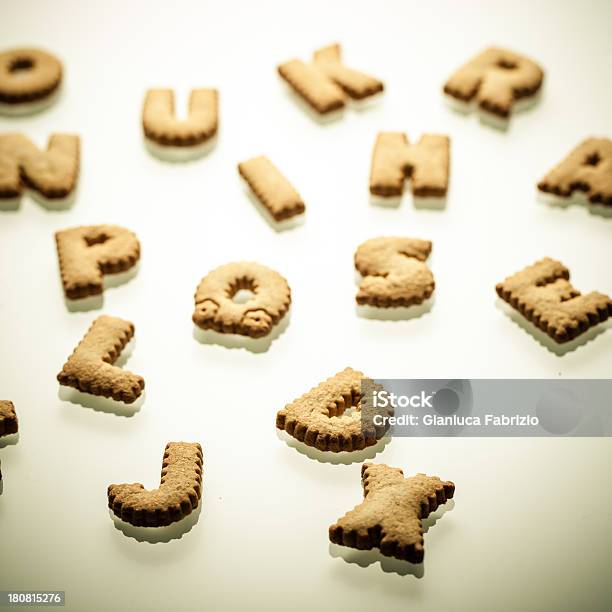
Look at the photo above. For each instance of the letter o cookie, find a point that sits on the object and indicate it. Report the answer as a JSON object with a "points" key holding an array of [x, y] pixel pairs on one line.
{"points": [[28, 80], [215, 308]]}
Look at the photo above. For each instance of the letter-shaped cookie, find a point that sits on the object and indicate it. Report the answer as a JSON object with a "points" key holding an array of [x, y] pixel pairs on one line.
{"points": [[272, 189], [543, 294], [87, 253], [425, 163], [216, 310], [27, 78], [90, 367], [587, 169], [162, 127], [496, 78], [322, 84], [52, 173], [177, 496], [330, 416], [394, 272], [389, 518], [8, 418]]}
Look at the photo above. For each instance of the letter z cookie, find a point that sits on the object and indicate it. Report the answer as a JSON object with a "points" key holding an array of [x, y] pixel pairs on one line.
{"points": [[389, 518]]}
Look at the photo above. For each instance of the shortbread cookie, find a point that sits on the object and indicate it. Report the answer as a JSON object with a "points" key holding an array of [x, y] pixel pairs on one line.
{"points": [[426, 164], [90, 367], [29, 80], [330, 417], [50, 174], [216, 310], [587, 169], [9, 423], [389, 518], [394, 273], [272, 189], [89, 252], [323, 83], [165, 133], [496, 79], [177, 496], [543, 294]]}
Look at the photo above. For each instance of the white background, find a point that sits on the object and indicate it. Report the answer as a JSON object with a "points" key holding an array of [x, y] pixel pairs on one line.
{"points": [[530, 528]]}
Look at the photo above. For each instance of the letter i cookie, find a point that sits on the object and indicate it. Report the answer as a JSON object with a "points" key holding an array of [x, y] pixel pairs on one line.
{"points": [[280, 204]]}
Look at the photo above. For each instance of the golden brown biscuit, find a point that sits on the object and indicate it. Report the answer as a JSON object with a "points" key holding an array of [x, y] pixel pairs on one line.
{"points": [[543, 294], [216, 310], [177, 496], [162, 127], [330, 417], [496, 79], [90, 367], [357, 85], [52, 173], [272, 189], [28, 75], [87, 253], [323, 83], [389, 518], [587, 169], [425, 163], [394, 273], [9, 424]]}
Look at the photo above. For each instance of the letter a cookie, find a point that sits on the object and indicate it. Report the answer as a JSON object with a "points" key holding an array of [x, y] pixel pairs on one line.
{"points": [[389, 518], [587, 169]]}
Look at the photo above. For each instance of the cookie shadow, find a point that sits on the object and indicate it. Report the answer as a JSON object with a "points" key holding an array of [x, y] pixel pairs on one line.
{"points": [[181, 155], [398, 313], [578, 198], [320, 118], [340, 458], [100, 403], [10, 204], [277, 226], [389, 565], [367, 103], [434, 203], [9, 440], [237, 341], [96, 302], [544, 339], [54, 204], [489, 119], [158, 535]]}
